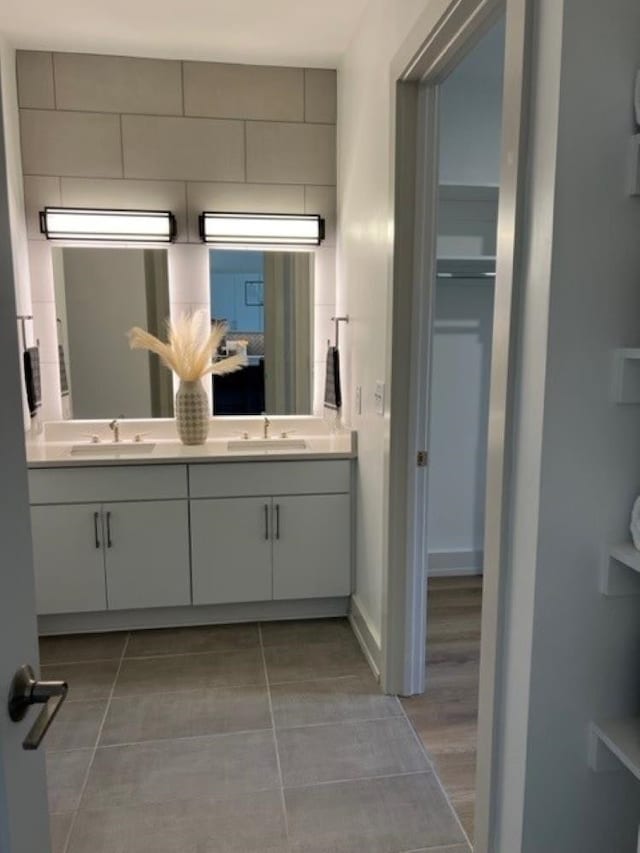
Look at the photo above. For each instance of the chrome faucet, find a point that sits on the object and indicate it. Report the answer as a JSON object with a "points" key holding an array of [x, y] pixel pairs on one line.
{"points": [[265, 427], [114, 426]]}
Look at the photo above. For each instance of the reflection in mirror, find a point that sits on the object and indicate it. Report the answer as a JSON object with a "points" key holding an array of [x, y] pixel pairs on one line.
{"points": [[266, 299], [100, 294]]}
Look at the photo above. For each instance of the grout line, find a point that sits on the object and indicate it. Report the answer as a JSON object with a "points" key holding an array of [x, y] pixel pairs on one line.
{"points": [[152, 741], [357, 779], [423, 749], [121, 144], [246, 154], [275, 740], [95, 747]]}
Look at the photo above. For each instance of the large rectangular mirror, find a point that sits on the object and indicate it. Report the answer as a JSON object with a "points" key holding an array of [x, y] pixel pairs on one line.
{"points": [[100, 294], [266, 298]]}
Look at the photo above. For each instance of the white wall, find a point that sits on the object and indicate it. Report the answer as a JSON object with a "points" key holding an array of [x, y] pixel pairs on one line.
{"points": [[573, 655], [458, 430], [470, 113], [364, 256]]}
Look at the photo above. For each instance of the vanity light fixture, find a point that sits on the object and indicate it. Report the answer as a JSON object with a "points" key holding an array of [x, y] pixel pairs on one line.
{"points": [[262, 229], [93, 224]]}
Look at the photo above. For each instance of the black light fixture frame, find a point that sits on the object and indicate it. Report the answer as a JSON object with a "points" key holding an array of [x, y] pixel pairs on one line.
{"points": [[110, 238], [262, 241]]}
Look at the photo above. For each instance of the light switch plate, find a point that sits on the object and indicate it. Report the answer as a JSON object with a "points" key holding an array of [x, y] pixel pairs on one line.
{"points": [[378, 398], [358, 399]]}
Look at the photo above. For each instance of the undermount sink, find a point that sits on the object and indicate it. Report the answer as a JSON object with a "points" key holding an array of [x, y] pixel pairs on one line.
{"points": [[131, 448], [267, 444]]}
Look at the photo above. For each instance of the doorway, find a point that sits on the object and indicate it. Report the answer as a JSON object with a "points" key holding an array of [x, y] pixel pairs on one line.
{"points": [[447, 34], [469, 121]]}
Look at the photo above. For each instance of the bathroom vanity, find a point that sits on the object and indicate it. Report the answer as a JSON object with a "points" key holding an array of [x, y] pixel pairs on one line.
{"points": [[177, 535]]}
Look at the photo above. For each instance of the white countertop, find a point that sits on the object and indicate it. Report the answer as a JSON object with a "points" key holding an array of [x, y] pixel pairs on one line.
{"points": [[46, 454]]}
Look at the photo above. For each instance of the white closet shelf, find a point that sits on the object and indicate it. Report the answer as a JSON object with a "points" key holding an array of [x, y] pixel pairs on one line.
{"points": [[626, 376], [621, 571], [613, 743], [469, 192]]}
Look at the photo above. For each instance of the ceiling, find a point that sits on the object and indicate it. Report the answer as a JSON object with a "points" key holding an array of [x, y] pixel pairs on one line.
{"points": [[285, 32]]}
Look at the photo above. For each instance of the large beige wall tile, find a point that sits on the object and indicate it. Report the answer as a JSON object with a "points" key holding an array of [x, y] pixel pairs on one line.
{"points": [[322, 200], [129, 194], [34, 69], [72, 144], [241, 198], [243, 91], [183, 148], [320, 95], [38, 194], [285, 153], [117, 84]]}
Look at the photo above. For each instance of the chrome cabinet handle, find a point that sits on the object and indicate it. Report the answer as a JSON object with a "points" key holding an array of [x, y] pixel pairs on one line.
{"points": [[109, 540], [26, 691], [277, 521], [96, 518], [266, 522]]}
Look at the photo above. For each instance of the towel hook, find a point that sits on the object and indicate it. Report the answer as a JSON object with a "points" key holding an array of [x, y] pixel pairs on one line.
{"points": [[337, 321]]}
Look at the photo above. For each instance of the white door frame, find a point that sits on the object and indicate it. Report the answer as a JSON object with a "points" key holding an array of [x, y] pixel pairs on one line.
{"points": [[438, 40]]}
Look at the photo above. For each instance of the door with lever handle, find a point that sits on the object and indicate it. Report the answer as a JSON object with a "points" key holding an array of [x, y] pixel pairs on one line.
{"points": [[26, 691]]}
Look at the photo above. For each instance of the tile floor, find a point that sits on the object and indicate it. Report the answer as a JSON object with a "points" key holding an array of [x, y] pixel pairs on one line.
{"points": [[236, 739], [445, 717]]}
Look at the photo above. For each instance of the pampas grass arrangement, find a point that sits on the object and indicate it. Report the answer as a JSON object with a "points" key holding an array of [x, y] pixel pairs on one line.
{"points": [[190, 350], [190, 347]]}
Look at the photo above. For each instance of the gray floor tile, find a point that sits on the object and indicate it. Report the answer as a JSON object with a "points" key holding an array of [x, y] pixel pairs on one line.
{"points": [[455, 848], [173, 715], [331, 700], [73, 648], [307, 631], [309, 662], [190, 672], [59, 825], [87, 681], [192, 768], [66, 772], [76, 726], [245, 824], [174, 641], [390, 815], [348, 751]]}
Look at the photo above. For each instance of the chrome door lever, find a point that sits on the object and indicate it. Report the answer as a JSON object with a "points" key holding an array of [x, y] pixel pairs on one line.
{"points": [[26, 691]]}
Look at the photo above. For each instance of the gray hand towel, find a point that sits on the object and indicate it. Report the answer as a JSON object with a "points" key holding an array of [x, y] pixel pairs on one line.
{"points": [[332, 389]]}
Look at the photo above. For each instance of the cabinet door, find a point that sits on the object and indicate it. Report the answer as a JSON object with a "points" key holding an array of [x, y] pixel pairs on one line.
{"points": [[68, 558], [231, 550], [147, 554], [312, 546]]}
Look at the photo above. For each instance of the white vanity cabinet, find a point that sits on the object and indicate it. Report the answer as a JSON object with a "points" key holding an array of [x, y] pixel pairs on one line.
{"points": [[165, 537], [128, 549], [68, 558], [231, 550], [147, 554], [270, 531]]}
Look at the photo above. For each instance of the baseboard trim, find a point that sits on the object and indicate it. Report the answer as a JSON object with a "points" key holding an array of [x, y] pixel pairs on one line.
{"points": [[176, 617], [368, 639], [445, 563]]}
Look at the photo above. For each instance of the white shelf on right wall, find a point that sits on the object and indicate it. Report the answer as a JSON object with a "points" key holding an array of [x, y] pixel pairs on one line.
{"points": [[621, 571], [626, 376], [613, 743]]}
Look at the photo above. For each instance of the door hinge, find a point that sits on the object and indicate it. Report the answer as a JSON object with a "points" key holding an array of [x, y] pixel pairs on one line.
{"points": [[423, 459]]}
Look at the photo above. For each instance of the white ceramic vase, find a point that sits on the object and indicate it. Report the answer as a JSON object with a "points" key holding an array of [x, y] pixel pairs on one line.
{"points": [[192, 412]]}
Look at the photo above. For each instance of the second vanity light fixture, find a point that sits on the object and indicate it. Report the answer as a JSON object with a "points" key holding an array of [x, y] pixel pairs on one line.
{"points": [[262, 229], [108, 226]]}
